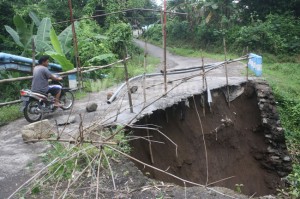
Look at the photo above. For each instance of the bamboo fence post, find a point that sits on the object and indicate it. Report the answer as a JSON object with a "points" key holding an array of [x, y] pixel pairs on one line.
{"points": [[75, 43], [149, 142], [247, 70], [226, 70], [127, 81], [165, 45], [145, 71], [33, 55], [204, 82]]}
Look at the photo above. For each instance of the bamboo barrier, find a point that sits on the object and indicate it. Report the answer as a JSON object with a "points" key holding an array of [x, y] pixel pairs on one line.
{"points": [[73, 71]]}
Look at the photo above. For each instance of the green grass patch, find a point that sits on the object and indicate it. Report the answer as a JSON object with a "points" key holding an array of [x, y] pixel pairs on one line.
{"points": [[9, 113], [284, 78], [186, 52], [135, 67]]}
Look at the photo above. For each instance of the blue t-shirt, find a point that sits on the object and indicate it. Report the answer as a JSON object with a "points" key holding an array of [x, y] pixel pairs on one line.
{"points": [[40, 83]]}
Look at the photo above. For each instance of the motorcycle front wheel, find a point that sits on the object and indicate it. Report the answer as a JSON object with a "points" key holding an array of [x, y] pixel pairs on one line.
{"points": [[67, 100], [32, 112]]}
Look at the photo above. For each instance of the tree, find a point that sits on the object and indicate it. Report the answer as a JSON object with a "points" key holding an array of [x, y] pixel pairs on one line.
{"points": [[260, 9]]}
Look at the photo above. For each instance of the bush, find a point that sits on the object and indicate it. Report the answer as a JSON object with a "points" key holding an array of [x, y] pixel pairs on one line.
{"points": [[93, 46], [154, 33], [278, 34]]}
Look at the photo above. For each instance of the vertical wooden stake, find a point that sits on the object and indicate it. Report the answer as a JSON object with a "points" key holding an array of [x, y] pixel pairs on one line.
{"points": [[204, 83], [203, 71], [149, 140], [226, 71], [165, 45], [33, 55], [247, 70], [145, 70], [127, 82], [75, 43]]}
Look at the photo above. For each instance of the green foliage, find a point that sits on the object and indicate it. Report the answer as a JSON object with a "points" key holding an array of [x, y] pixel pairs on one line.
{"points": [[61, 59], [9, 113], [55, 42], [80, 95], [154, 33], [238, 188], [10, 91], [294, 179], [97, 85], [76, 158], [42, 40], [120, 36], [65, 38], [135, 67], [23, 33], [91, 40], [278, 34]]}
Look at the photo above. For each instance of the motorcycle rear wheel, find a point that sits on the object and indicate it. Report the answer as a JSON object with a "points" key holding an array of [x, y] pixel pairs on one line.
{"points": [[32, 113], [67, 100]]}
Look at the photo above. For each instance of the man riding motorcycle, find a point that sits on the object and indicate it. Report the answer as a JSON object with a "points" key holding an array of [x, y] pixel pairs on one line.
{"points": [[40, 83]]}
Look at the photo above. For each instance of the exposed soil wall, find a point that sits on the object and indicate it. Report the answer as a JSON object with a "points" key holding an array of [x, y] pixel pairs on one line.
{"points": [[243, 139]]}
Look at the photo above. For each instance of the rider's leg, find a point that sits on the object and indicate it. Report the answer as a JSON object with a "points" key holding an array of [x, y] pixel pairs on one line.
{"points": [[57, 96], [55, 91]]}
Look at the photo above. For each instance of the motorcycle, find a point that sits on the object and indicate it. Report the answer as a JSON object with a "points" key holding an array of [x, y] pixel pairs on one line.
{"points": [[35, 105]]}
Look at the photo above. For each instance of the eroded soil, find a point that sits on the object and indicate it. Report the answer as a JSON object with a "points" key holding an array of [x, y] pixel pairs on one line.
{"points": [[234, 143]]}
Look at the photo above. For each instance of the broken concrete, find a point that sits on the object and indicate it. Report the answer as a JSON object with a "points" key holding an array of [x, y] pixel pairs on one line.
{"points": [[37, 130]]}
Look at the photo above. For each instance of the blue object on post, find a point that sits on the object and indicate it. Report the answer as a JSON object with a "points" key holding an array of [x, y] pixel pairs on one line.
{"points": [[255, 64], [72, 81]]}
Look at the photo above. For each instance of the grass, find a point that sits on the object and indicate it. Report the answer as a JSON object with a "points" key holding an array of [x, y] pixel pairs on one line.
{"points": [[198, 53], [284, 77], [9, 113]]}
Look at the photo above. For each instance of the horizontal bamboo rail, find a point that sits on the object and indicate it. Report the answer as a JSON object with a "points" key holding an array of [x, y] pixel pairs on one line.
{"points": [[73, 71]]}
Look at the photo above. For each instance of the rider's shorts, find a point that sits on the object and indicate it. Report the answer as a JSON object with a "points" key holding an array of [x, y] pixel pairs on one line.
{"points": [[54, 89]]}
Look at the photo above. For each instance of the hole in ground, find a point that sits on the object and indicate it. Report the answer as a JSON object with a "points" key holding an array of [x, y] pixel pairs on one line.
{"points": [[234, 139]]}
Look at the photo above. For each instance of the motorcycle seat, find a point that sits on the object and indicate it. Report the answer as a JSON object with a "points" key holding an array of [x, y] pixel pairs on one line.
{"points": [[42, 95]]}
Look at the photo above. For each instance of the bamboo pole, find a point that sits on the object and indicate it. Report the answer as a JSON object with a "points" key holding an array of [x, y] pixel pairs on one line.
{"points": [[226, 70], [247, 70], [165, 45], [127, 82], [149, 143], [33, 55], [145, 71], [121, 11], [204, 82], [10, 103], [73, 71], [75, 43]]}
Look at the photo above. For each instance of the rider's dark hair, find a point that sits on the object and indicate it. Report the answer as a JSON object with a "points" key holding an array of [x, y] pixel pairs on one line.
{"points": [[43, 59]]}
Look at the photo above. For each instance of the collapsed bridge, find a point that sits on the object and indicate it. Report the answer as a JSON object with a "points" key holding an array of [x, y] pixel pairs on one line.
{"points": [[241, 145]]}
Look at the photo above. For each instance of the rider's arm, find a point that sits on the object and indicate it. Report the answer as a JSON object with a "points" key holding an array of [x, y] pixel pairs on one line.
{"points": [[55, 78]]}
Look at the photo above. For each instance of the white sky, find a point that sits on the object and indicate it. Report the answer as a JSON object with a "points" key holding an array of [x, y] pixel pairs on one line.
{"points": [[158, 2]]}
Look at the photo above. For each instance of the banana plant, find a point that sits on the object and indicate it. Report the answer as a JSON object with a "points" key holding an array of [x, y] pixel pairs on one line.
{"points": [[24, 31], [58, 53], [42, 38], [46, 40]]}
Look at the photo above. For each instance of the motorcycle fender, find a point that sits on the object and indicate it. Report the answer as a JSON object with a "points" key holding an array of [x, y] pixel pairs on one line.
{"points": [[25, 101]]}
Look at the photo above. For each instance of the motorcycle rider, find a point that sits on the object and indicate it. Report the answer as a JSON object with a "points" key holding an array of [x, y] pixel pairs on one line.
{"points": [[40, 83]]}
